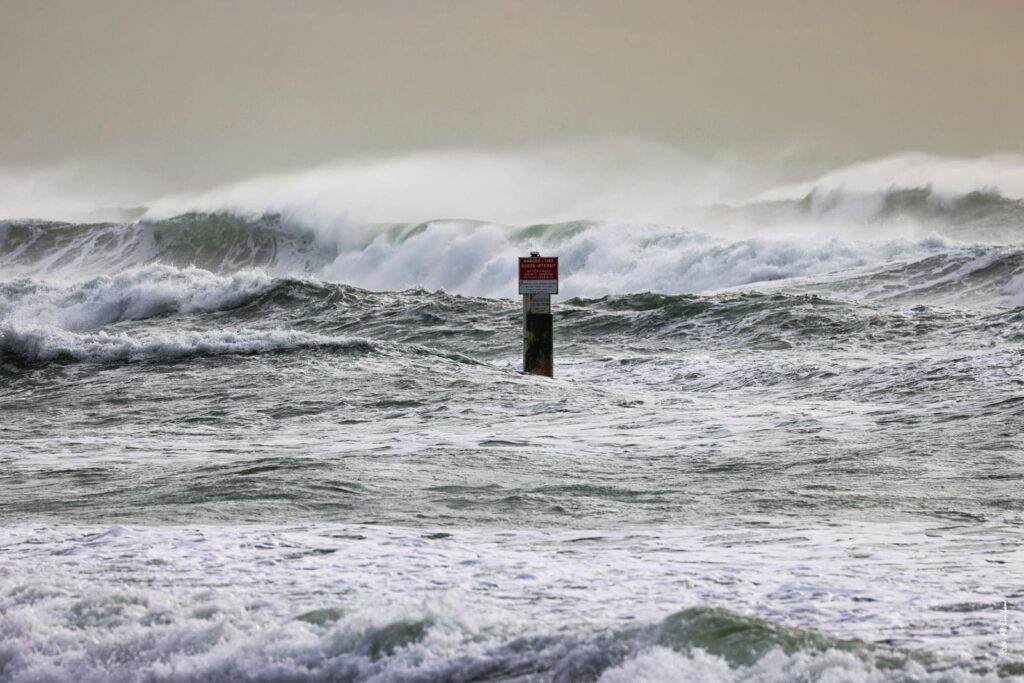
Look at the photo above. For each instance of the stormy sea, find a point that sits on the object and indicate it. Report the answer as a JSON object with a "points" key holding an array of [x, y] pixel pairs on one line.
{"points": [[253, 442]]}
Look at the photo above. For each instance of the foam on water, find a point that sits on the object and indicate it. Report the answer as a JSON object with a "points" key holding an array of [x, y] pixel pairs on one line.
{"points": [[654, 604]]}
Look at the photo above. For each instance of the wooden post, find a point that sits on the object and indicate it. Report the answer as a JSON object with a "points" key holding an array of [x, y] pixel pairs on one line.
{"points": [[538, 337], [538, 280]]}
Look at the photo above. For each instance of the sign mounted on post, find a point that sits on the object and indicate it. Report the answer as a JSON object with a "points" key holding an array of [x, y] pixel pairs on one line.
{"points": [[538, 280], [538, 275], [540, 303]]}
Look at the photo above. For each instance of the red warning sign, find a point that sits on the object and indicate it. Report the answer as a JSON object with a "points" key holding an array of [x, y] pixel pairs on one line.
{"points": [[538, 275]]}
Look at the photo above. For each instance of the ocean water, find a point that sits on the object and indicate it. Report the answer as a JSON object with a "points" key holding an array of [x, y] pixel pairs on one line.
{"points": [[783, 442]]}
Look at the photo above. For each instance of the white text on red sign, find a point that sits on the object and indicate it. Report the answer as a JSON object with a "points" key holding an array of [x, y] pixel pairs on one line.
{"points": [[538, 275]]}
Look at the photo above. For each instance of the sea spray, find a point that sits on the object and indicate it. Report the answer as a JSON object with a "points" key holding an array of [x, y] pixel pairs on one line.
{"points": [[465, 257]]}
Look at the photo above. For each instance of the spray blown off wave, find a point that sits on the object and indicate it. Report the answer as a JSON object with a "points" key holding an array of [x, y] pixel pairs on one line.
{"points": [[475, 258], [379, 225]]}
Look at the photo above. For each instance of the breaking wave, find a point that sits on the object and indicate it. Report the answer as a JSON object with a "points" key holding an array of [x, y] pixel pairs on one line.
{"points": [[32, 346], [646, 227], [43, 321], [474, 258], [651, 225], [285, 276], [161, 313]]}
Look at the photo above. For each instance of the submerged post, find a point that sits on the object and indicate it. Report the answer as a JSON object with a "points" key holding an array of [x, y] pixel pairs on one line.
{"points": [[538, 280]]}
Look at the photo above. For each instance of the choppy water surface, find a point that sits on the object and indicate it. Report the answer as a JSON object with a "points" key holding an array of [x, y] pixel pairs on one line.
{"points": [[778, 460]]}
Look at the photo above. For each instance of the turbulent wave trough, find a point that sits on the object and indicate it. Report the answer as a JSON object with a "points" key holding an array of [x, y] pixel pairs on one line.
{"points": [[251, 435]]}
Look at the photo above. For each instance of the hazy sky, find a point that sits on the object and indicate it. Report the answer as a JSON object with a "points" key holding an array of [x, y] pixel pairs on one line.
{"points": [[198, 91]]}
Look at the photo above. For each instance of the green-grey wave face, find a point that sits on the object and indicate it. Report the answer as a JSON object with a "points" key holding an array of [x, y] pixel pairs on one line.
{"points": [[477, 258], [162, 312]]}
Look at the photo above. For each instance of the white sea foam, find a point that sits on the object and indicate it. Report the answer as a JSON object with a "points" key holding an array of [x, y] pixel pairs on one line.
{"points": [[223, 603], [662, 665]]}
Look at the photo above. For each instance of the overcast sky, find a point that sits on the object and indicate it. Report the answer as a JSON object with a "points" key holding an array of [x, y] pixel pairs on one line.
{"points": [[194, 92]]}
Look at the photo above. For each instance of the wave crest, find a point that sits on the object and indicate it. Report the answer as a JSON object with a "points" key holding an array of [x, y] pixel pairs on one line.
{"points": [[465, 257], [45, 321]]}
